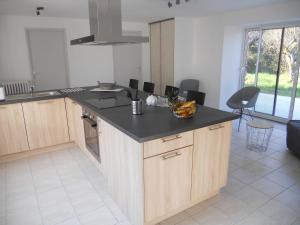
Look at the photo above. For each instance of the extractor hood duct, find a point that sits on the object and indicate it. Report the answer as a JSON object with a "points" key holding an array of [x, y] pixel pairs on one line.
{"points": [[106, 25]]}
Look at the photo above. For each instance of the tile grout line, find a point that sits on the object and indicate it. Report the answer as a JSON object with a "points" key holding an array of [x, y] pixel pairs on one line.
{"points": [[64, 188], [76, 160], [36, 193]]}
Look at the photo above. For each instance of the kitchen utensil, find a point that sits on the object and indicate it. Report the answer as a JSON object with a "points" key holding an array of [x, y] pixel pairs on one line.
{"points": [[137, 106], [106, 86], [107, 90]]}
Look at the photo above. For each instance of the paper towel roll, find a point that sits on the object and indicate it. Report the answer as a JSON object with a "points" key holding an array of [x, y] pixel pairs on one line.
{"points": [[2, 94]]}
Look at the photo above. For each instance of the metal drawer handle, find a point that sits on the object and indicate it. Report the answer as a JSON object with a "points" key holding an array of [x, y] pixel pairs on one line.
{"points": [[45, 102], [172, 155], [216, 127], [171, 138]]}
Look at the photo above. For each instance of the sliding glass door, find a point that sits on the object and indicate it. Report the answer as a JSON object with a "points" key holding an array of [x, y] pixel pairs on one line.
{"points": [[296, 113], [271, 63]]}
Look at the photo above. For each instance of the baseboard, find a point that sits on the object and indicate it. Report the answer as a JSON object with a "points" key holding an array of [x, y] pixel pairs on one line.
{"points": [[189, 205], [25, 154]]}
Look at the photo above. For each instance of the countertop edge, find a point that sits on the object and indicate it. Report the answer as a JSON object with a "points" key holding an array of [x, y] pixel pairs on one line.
{"points": [[98, 113], [153, 137]]}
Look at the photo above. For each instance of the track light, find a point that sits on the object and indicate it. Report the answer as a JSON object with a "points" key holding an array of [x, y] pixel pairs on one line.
{"points": [[177, 2], [38, 10]]}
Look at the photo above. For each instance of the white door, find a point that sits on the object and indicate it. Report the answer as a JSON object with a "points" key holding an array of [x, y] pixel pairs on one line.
{"points": [[127, 63], [48, 58]]}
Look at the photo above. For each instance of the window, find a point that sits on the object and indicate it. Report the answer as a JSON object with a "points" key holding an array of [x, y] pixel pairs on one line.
{"points": [[271, 63]]}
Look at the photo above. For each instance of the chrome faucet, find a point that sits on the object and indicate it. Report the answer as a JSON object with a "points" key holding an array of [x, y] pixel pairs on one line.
{"points": [[32, 87]]}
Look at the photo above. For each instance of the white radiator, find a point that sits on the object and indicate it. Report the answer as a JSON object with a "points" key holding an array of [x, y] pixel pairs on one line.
{"points": [[16, 87]]}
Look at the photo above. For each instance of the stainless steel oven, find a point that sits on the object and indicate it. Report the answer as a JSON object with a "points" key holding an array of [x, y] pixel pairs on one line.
{"points": [[91, 133]]}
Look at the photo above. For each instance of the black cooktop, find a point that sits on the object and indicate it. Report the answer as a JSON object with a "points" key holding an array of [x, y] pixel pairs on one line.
{"points": [[109, 101]]}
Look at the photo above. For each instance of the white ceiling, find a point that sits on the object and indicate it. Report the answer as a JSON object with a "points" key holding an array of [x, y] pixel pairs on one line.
{"points": [[132, 10]]}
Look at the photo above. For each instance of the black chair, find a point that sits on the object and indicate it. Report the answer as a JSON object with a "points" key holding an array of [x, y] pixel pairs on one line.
{"points": [[198, 96], [243, 99], [293, 136], [134, 84], [188, 85], [148, 87], [171, 91]]}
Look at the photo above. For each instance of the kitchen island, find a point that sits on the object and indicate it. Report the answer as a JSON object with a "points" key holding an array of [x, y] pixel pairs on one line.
{"points": [[155, 165]]}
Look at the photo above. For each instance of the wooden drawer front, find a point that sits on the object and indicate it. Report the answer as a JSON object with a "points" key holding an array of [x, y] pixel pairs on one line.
{"points": [[167, 180], [162, 145]]}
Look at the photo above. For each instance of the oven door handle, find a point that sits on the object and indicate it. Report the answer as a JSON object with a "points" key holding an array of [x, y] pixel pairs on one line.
{"points": [[90, 121]]}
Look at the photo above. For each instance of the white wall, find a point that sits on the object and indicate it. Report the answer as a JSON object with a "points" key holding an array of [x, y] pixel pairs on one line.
{"points": [[184, 53], [231, 63], [87, 64], [144, 29], [132, 61], [217, 47]]}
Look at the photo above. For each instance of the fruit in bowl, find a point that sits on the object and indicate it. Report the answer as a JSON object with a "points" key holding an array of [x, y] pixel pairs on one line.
{"points": [[184, 109]]}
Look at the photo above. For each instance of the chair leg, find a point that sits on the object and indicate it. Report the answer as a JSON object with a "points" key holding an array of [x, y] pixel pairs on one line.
{"points": [[241, 116], [251, 114]]}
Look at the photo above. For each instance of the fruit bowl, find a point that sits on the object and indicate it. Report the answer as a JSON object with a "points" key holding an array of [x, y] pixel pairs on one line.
{"points": [[184, 110]]}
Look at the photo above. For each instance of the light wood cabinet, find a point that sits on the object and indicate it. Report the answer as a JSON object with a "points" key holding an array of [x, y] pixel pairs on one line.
{"points": [[162, 42], [167, 53], [79, 130], [70, 107], [167, 180], [155, 56], [210, 159], [162, 145], [75, 124], [46, 123], [13, 136]]}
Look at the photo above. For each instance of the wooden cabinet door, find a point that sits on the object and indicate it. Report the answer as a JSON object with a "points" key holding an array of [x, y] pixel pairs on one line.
{"points": [[167, 180], [70, 107], [79, 129], [167, 53], [210, 159], [46, 123], [13, 137], [75, 123], [155, 57], [162, 44]]}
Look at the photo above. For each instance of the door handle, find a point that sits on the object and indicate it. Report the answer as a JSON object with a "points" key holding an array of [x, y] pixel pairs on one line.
{"points": [[45, 102], [216, 127], [88, 120]]}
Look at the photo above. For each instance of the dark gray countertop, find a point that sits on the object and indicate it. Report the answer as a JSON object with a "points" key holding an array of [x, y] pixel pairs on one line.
{"points": [[156, 122]]}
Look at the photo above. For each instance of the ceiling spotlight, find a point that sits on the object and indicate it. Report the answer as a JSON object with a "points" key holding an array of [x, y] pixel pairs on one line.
{"points": [[177, 2], [38, 10], [170, 4]]}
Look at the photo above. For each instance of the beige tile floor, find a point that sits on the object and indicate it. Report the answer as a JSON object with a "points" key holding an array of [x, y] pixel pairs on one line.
{"points": [[64, 188]]}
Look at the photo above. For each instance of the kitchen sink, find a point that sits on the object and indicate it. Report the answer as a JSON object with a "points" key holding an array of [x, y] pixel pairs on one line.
{"points": [[33, 95]]}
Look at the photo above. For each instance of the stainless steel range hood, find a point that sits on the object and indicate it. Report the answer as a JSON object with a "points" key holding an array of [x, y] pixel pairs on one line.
{"points": [[106, 25]]}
